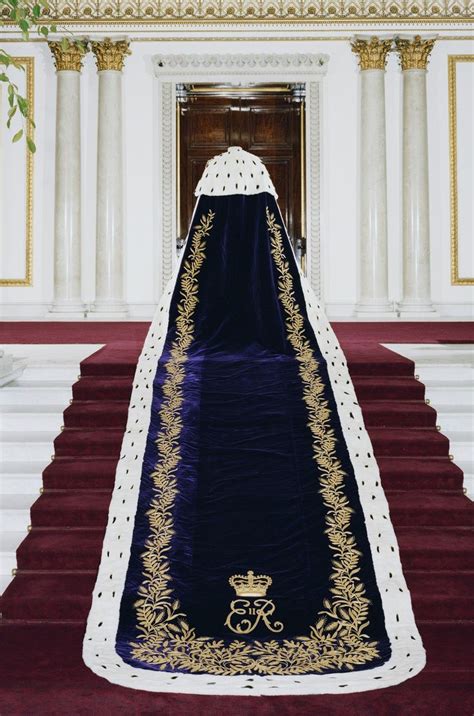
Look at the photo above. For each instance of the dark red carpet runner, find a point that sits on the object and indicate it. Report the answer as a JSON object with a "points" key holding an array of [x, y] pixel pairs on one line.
{"points": [[45, 607]]}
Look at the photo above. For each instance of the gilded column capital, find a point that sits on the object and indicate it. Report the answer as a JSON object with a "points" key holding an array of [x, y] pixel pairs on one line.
{"points": [[414, 53], [68, 54], [372, 52], [110, 54]]}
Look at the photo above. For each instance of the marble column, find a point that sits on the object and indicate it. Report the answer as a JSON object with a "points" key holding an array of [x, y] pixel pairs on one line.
{"points": [[67, 212], [109, 300], [414, 54], [373, 258]]}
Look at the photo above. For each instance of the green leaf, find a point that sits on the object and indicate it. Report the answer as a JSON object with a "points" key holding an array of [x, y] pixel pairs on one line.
{"points": [[18, 136], [3, 77], [44, 31], [11, 114], [53, 28], [5, 59], [31, 145], [64, 44], [22, 105], [36, 11]]}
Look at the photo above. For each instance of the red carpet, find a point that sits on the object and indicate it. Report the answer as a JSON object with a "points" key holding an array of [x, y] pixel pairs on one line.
{"points": [[46, 604]]}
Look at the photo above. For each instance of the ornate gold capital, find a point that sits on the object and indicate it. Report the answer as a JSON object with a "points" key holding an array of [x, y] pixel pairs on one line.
{"points": [[110, 54], [372, 53], [68, 55], [414, 54]]}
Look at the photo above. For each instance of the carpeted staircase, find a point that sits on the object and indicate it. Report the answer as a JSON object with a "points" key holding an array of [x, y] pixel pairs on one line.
{"points": [[45, 607]]}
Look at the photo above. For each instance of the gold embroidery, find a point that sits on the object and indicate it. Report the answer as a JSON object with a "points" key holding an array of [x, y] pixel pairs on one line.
{"points": [[348, 610], [155, 612], [166, 640], [261, 609], [250, 585]]}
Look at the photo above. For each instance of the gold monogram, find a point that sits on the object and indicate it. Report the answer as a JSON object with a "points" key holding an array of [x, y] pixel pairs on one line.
{"points": [[258, 609]]}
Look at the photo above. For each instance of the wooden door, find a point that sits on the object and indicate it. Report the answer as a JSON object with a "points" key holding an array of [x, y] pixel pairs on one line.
{"points": [[268, 122]]}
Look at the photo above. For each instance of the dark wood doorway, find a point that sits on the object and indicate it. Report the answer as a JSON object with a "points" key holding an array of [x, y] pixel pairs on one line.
{"points": [[267, 120]]}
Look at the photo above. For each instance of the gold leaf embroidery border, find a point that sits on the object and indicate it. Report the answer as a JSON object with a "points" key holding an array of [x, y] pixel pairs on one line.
{"points": [[165, 639]]}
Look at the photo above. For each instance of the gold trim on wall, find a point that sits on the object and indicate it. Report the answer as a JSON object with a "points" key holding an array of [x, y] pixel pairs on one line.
{"points": [[456, 279], [227, 39], [264, 12], [29, 65]]}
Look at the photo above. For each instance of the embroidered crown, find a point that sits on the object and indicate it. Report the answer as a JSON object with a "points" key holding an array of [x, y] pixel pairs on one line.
{"points": [[250, 585]]}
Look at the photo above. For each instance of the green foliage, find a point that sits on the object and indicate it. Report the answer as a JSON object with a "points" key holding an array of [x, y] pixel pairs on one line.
{"points": [[26, 16]]}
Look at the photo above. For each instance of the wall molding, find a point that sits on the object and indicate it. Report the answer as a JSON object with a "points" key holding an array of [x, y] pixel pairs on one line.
{"points": [[453, 61], [27, 280]]}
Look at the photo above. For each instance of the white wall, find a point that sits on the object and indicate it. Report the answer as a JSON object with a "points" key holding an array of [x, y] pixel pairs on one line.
{"points": [[339, 172]]}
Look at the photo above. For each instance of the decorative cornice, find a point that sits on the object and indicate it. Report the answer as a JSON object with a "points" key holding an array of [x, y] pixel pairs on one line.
{"points": [[414, 53], [266, 11], [241, 63], [68, 56], [110, 54], [372, 52]]}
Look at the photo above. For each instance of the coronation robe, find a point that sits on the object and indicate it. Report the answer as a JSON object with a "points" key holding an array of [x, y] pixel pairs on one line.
{"points": [[249, 547]]}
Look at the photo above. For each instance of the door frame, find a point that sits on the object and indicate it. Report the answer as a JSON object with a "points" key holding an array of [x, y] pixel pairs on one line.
{"points": [[170, 70]]}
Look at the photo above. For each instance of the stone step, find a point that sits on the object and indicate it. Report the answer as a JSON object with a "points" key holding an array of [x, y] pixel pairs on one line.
{"points": [[447, 382], [48, 373], [30, 423], [442, 396], [468, 484], [15, 510], [26, 436], [467, 466], [462, 452], [9, 542], [27, 451], [33, 409], [22, 467], [5, 580], [20, 483], [13, 396], [40, 382], [460, 372], [452, 424], [429, 353]]}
